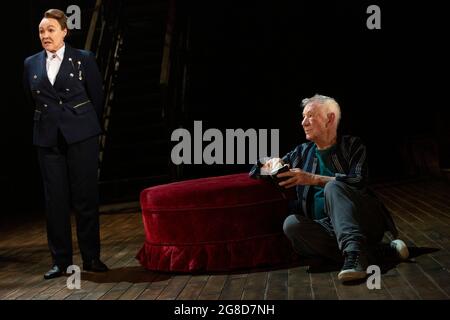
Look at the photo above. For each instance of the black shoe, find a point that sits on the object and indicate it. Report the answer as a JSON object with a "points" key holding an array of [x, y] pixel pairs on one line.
{"points": [[54, 272], [95, 265], [355, 267]]}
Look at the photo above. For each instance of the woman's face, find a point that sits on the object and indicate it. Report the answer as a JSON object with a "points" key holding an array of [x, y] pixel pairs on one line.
{"points": [[51, 34]]}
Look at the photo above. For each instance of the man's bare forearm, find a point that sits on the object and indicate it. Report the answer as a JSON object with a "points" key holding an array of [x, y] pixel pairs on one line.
{"points": [[318, 180], [297, 177]]}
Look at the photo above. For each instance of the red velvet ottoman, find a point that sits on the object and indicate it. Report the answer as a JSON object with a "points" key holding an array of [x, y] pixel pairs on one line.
{"points": [[214, 224]]}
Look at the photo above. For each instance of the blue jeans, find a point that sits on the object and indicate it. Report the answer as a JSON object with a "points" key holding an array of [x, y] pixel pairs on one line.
{"points": [[354, 222]]}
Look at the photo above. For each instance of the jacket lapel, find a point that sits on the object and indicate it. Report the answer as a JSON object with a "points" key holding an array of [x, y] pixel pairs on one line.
{"points": [[43, 71], [65, 70]]}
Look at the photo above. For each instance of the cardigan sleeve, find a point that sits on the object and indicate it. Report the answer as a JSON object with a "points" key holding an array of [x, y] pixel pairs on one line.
{"points": [[357, 175]]}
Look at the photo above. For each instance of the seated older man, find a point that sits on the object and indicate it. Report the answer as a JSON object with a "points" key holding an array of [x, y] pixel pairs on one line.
{"points": [[335, 216]]}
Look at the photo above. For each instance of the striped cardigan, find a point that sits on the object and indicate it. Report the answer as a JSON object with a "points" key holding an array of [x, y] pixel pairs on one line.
{"points": [[350, 164]]}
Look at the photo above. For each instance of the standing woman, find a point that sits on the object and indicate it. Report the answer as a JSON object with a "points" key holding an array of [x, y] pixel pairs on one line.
{"points": [[64, 86]]}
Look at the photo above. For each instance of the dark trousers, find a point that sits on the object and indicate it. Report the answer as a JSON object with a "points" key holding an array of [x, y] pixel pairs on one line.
{"points": [[354, 222], [69, 174]]}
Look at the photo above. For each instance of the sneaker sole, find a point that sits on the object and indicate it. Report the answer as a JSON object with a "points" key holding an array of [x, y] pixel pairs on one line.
{"points": [[349, 275], [401, 248]]}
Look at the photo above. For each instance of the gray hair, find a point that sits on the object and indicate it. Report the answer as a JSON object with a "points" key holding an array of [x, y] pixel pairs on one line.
{"points": [[328, 102]]}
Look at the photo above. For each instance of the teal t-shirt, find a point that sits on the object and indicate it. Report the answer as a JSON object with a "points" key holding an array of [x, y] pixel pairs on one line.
{"points": [[325, 169]]}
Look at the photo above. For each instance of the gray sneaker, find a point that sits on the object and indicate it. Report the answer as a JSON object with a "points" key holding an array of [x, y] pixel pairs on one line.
{"points": [[355, 267], [401, 249]]}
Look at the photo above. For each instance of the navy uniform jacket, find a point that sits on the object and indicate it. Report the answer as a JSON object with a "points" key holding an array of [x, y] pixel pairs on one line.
{"points": [[74, 104]]}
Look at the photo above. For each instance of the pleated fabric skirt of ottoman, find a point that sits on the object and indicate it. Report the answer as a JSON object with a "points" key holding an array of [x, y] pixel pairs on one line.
{"points": [[214, 224]]}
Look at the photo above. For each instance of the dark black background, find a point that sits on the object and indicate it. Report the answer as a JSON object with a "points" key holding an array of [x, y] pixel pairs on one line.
{"points": [[251, 63], [255, 63]]}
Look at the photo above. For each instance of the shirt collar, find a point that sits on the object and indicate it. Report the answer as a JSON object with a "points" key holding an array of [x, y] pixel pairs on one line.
{"points": [[59, 53]]}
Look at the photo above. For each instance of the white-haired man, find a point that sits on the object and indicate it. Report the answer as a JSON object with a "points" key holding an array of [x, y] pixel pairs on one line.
{"points": [[335, 216]]}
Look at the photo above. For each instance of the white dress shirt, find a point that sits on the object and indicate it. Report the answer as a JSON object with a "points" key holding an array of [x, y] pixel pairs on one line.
{"points": [[54, 61]]}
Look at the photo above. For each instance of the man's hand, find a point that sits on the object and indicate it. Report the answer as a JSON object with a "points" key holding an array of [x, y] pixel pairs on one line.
{"points": [[299, 177], [295, 177]]}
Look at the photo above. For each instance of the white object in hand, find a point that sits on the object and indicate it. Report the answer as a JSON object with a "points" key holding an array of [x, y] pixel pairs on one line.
{"points": [[271, 166]]}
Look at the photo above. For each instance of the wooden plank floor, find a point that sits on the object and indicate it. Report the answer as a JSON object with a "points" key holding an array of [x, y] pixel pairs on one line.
{"points": [[421, 211]]}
